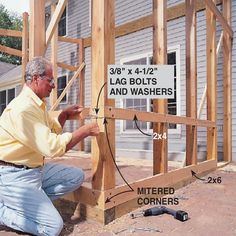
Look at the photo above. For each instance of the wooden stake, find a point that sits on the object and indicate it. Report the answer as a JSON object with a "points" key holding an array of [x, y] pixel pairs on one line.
{"points": [[160, 152]]}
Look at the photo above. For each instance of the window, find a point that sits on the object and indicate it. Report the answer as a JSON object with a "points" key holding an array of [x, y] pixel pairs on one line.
{"points": [[146, 104], [61, 84], [5, 97], [62, 25]]}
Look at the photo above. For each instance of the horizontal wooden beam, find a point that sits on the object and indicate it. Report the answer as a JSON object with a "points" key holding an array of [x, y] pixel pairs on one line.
{"points": [[147, 21], [161, 180], [54, 20], [220, 17], [125, 114], [69, 40], [10, 51], [67, 67], [10, 33]]}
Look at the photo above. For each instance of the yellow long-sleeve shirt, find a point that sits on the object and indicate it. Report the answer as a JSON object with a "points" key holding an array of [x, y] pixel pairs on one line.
{"points": [[28, 133]]}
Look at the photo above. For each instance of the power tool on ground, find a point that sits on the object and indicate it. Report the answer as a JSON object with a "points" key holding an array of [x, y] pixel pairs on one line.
{"points": [[154, 211]]}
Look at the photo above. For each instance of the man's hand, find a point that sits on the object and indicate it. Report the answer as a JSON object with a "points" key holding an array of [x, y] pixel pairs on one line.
{"points": [[72, 110], [93, 129], [67, 112], [81, 133]]}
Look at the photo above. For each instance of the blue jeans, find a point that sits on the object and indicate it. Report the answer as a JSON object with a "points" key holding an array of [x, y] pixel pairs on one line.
{"points": [[25, 196]]}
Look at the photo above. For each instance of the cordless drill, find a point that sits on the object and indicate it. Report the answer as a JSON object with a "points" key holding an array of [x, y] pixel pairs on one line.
{"points": [[154, 211]]}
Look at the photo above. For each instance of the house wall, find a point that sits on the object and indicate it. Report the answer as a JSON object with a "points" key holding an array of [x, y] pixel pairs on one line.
{"points": [[139, 43]]}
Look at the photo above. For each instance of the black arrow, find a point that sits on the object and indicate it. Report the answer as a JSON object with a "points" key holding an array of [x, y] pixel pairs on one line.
{"points": [[195, 175], [135, 120], [109, 198], [97, 109], [131, 189]]}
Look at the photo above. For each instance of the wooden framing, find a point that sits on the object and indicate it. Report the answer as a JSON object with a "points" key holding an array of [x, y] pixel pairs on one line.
{"points": [[102, 44], [25, 44], [147, 21], [191, 82], [125, 114], [37, 28], [24, 34], [221, 19], [81, 57], [160, 159], [54, 49], [96, 207], [211, 82], [69, 40], [11, 51], [227, 76], [11, 33], [103, 50]]}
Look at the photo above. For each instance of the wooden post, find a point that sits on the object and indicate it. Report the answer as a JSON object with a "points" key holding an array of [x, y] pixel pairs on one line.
{"points": [[81, 86], [103, 38], [25, 45], [54, 49], [211, 83], [37, 28], [191, 82], [160, 150], [227, 75]]}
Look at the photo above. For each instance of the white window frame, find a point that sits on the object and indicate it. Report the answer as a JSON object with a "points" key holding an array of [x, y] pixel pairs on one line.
{"points": [[147, 55], [8, 88], [66, 7], [60, 75]]}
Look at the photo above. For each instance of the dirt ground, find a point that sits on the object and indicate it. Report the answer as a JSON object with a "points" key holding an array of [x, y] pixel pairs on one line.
{"points": [[211, 208]]}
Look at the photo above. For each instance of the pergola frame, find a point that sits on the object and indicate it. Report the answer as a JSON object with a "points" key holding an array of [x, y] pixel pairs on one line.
{"points": [[102, 42]]}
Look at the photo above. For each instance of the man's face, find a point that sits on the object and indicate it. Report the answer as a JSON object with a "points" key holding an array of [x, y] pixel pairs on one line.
{"points": [[46, 83]]}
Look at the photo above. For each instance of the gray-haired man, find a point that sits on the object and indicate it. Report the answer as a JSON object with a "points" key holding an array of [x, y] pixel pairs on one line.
{"points": [[28, 134]]}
